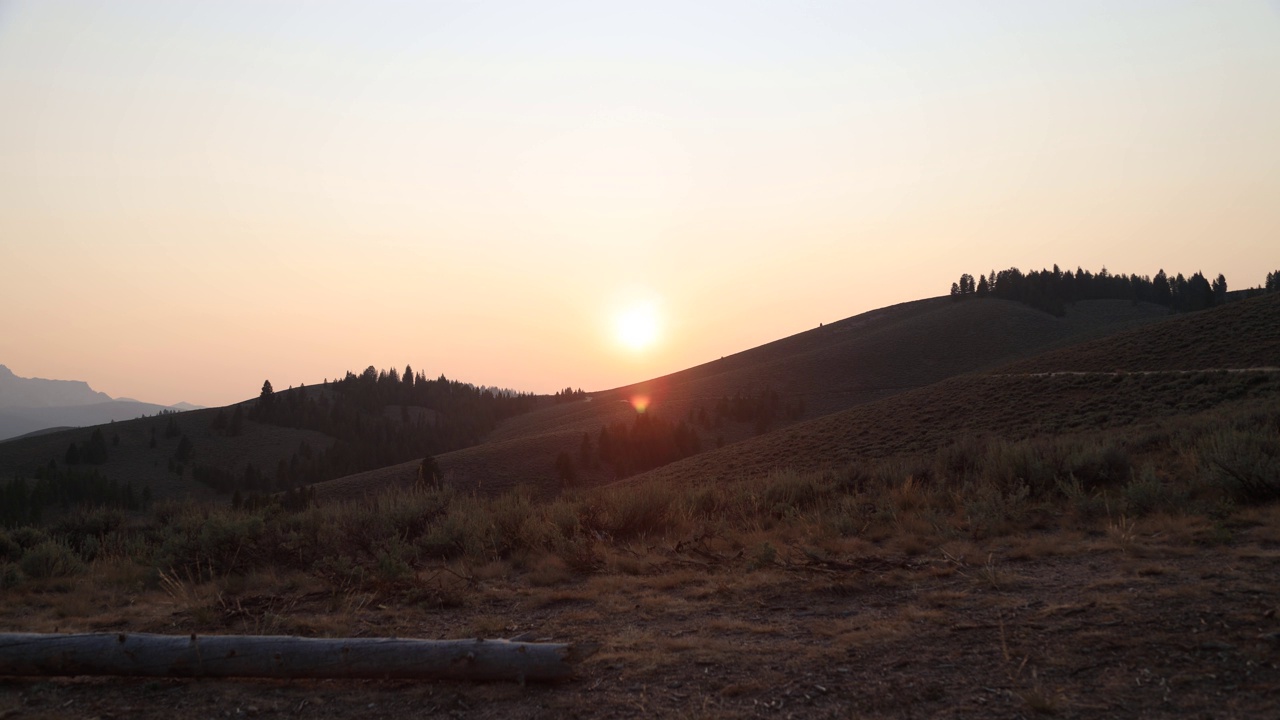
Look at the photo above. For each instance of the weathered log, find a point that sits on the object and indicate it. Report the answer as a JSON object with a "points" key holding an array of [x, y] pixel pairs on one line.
{"points": [[265, 656]]}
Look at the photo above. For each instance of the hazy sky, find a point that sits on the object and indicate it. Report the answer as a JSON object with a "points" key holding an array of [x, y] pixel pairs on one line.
{"points": [[198, 196]]}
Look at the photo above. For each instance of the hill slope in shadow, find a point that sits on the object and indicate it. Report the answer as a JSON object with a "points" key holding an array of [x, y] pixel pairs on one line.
{"points": [[831, 368], [1145, 379], [1243, 334], [133, 459]]}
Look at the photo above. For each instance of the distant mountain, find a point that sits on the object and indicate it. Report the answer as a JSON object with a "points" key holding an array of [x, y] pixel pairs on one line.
{"points": [[20, 392], [179, 406], [30, 405], [24, 421]]}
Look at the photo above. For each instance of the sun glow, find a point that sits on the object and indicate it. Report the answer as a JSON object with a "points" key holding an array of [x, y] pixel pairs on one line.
{"points": [[637, 327]]}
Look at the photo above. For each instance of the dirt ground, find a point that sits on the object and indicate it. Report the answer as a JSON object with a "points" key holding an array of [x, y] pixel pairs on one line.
{"points": [[1162, 618]]}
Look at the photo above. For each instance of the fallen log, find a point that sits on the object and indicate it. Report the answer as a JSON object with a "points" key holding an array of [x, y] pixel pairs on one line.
{"points": [[265, 656]]}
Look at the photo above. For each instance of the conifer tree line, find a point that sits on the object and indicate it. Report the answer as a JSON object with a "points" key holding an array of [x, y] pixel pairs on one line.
{"points": [[1052, 290], [651, 441], [378, 418], [568, 395], [647, 442], [24, 501], [92, 452]]}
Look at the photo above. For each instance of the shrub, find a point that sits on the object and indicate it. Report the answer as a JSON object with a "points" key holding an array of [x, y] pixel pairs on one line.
{"points": [[990, 508], [1086, 505], [10, 576], [213, 542], [463, 531], [1099, 465], [1013, 468], [28, 537], [395, 561], [85, 528], [1144, 493], [514, 525], [961, 460], [1244, 463], [633, 510], [9, 548], [51, 559], [789, 491]]}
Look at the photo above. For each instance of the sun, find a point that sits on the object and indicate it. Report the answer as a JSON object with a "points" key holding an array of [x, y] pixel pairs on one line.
{"points": [[637, 327]]}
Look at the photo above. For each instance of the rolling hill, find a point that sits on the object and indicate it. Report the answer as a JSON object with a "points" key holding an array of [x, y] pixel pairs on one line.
{"points": [[890, 382], [845, 364], [131, 457], [1142, 379]]}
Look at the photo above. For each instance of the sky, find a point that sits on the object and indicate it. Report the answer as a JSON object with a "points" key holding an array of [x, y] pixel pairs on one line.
{"points": [[195, 197]]}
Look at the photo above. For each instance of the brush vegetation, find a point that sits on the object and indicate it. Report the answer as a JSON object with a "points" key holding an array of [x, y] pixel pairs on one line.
{"points": [[974, 487]]}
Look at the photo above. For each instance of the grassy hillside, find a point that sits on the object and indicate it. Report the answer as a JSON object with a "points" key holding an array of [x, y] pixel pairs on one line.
{"points": [[837, 366], [1244, 334], [133, 459], [1072, 390], [982, 409]]}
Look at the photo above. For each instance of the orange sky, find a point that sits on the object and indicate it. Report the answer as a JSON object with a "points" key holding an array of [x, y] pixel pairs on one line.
{"points": [[195, 197]]}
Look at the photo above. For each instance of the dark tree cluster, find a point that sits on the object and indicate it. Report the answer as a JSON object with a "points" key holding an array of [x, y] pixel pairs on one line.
{"points": [[649, 441], [762, 409], [568, 395], [1273, 282], [370, 417], [92, 452], [24, 501], [304, 467], [229, 428], [292, 500], [1052, 290]]}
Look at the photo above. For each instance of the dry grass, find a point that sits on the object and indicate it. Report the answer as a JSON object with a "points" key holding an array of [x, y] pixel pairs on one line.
{"points": [[688, 633]]}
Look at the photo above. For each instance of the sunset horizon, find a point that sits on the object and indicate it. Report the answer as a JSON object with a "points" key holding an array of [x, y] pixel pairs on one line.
{"points": [[198, 197]]}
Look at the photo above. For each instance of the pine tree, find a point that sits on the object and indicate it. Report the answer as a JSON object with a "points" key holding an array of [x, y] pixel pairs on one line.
{"points": [[429, 473], [1163, 292], [95, 452], [1220, 289], [266, 401]]}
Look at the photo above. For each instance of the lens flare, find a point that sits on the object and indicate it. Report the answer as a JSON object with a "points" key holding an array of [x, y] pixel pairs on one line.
{"points": [[640, 403]]}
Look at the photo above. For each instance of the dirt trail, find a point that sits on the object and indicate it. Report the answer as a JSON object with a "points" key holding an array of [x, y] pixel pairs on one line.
{"points": [[1114, 373]]}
